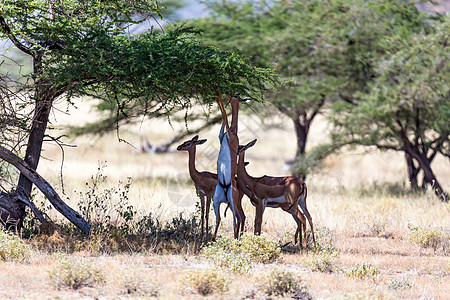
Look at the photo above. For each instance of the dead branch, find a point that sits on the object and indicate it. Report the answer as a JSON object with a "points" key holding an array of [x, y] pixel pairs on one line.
{"points": [[47, 225]]}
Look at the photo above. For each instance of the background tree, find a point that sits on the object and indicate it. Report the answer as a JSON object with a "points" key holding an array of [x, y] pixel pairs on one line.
{"points": [[408, 106], [325, 51], [80, 48]]}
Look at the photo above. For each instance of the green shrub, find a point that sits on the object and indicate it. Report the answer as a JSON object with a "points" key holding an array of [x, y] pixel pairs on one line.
{"points": [[107, 207], [181, 229], [363, 271], [321, 261], [386, 189], [225, 253], [31, 225], [238, 255], [283, 283], [75, 274], [207, 282], [13, 248], [259, 248], [430, 237]]}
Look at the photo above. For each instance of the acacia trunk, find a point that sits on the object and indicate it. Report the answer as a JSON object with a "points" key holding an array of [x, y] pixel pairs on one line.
{"points": [[429, 177], [43, 107], [414, 151], [10, 211], [301, 132], [413, 171]]}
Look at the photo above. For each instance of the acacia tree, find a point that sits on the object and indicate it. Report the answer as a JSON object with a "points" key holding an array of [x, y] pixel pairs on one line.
{"points": [[80, 48], [408, 106], [325, 51]]}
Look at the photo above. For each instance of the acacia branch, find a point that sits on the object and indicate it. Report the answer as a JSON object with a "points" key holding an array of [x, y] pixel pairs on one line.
{"points": [[347, 99], [317, 110], [13, 38], [48, 224]]}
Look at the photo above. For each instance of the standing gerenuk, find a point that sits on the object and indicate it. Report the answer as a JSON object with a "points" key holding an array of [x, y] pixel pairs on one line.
{"points": [[226, 189]]}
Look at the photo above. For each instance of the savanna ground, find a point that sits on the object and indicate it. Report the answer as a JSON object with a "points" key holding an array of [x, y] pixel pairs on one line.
{"points": [[378, 240]]}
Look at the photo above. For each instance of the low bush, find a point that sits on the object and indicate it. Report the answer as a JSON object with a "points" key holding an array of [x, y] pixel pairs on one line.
{"points": [[363, 271], [283, 283], [321, 261], [430, 237], [386, 189], [207, 282], [74, 274], [259, 248], [238, 255], [107, 207], [13, 248], [226, 254], [399, 284]]}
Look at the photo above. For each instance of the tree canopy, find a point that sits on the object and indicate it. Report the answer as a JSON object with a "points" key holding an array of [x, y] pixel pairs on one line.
{"points": [[83, 48]]}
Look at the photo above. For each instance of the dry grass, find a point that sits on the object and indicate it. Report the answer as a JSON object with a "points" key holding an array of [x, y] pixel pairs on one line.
{"points": [[351, 197]]}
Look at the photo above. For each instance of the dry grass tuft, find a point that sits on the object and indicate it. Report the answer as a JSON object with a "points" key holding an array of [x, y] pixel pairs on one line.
{"points": [[12, 248], [369, 295], [321, 261], [283, 283], [430, 237], [207, 282], [75, 274], [51, 243], [134, 283], [363, 271]]}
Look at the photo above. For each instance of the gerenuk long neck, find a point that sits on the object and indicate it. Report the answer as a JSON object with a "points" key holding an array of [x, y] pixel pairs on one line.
{"points": [[242, 172], [234, 115], [192, 170]]}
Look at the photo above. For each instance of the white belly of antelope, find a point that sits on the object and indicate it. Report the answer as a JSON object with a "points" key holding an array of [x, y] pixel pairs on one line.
{"points": [[277, 200]]}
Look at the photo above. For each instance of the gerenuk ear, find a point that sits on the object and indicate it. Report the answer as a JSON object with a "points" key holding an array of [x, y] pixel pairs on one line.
{"points": [[195, 138], [251, 144], [200, 142]]}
